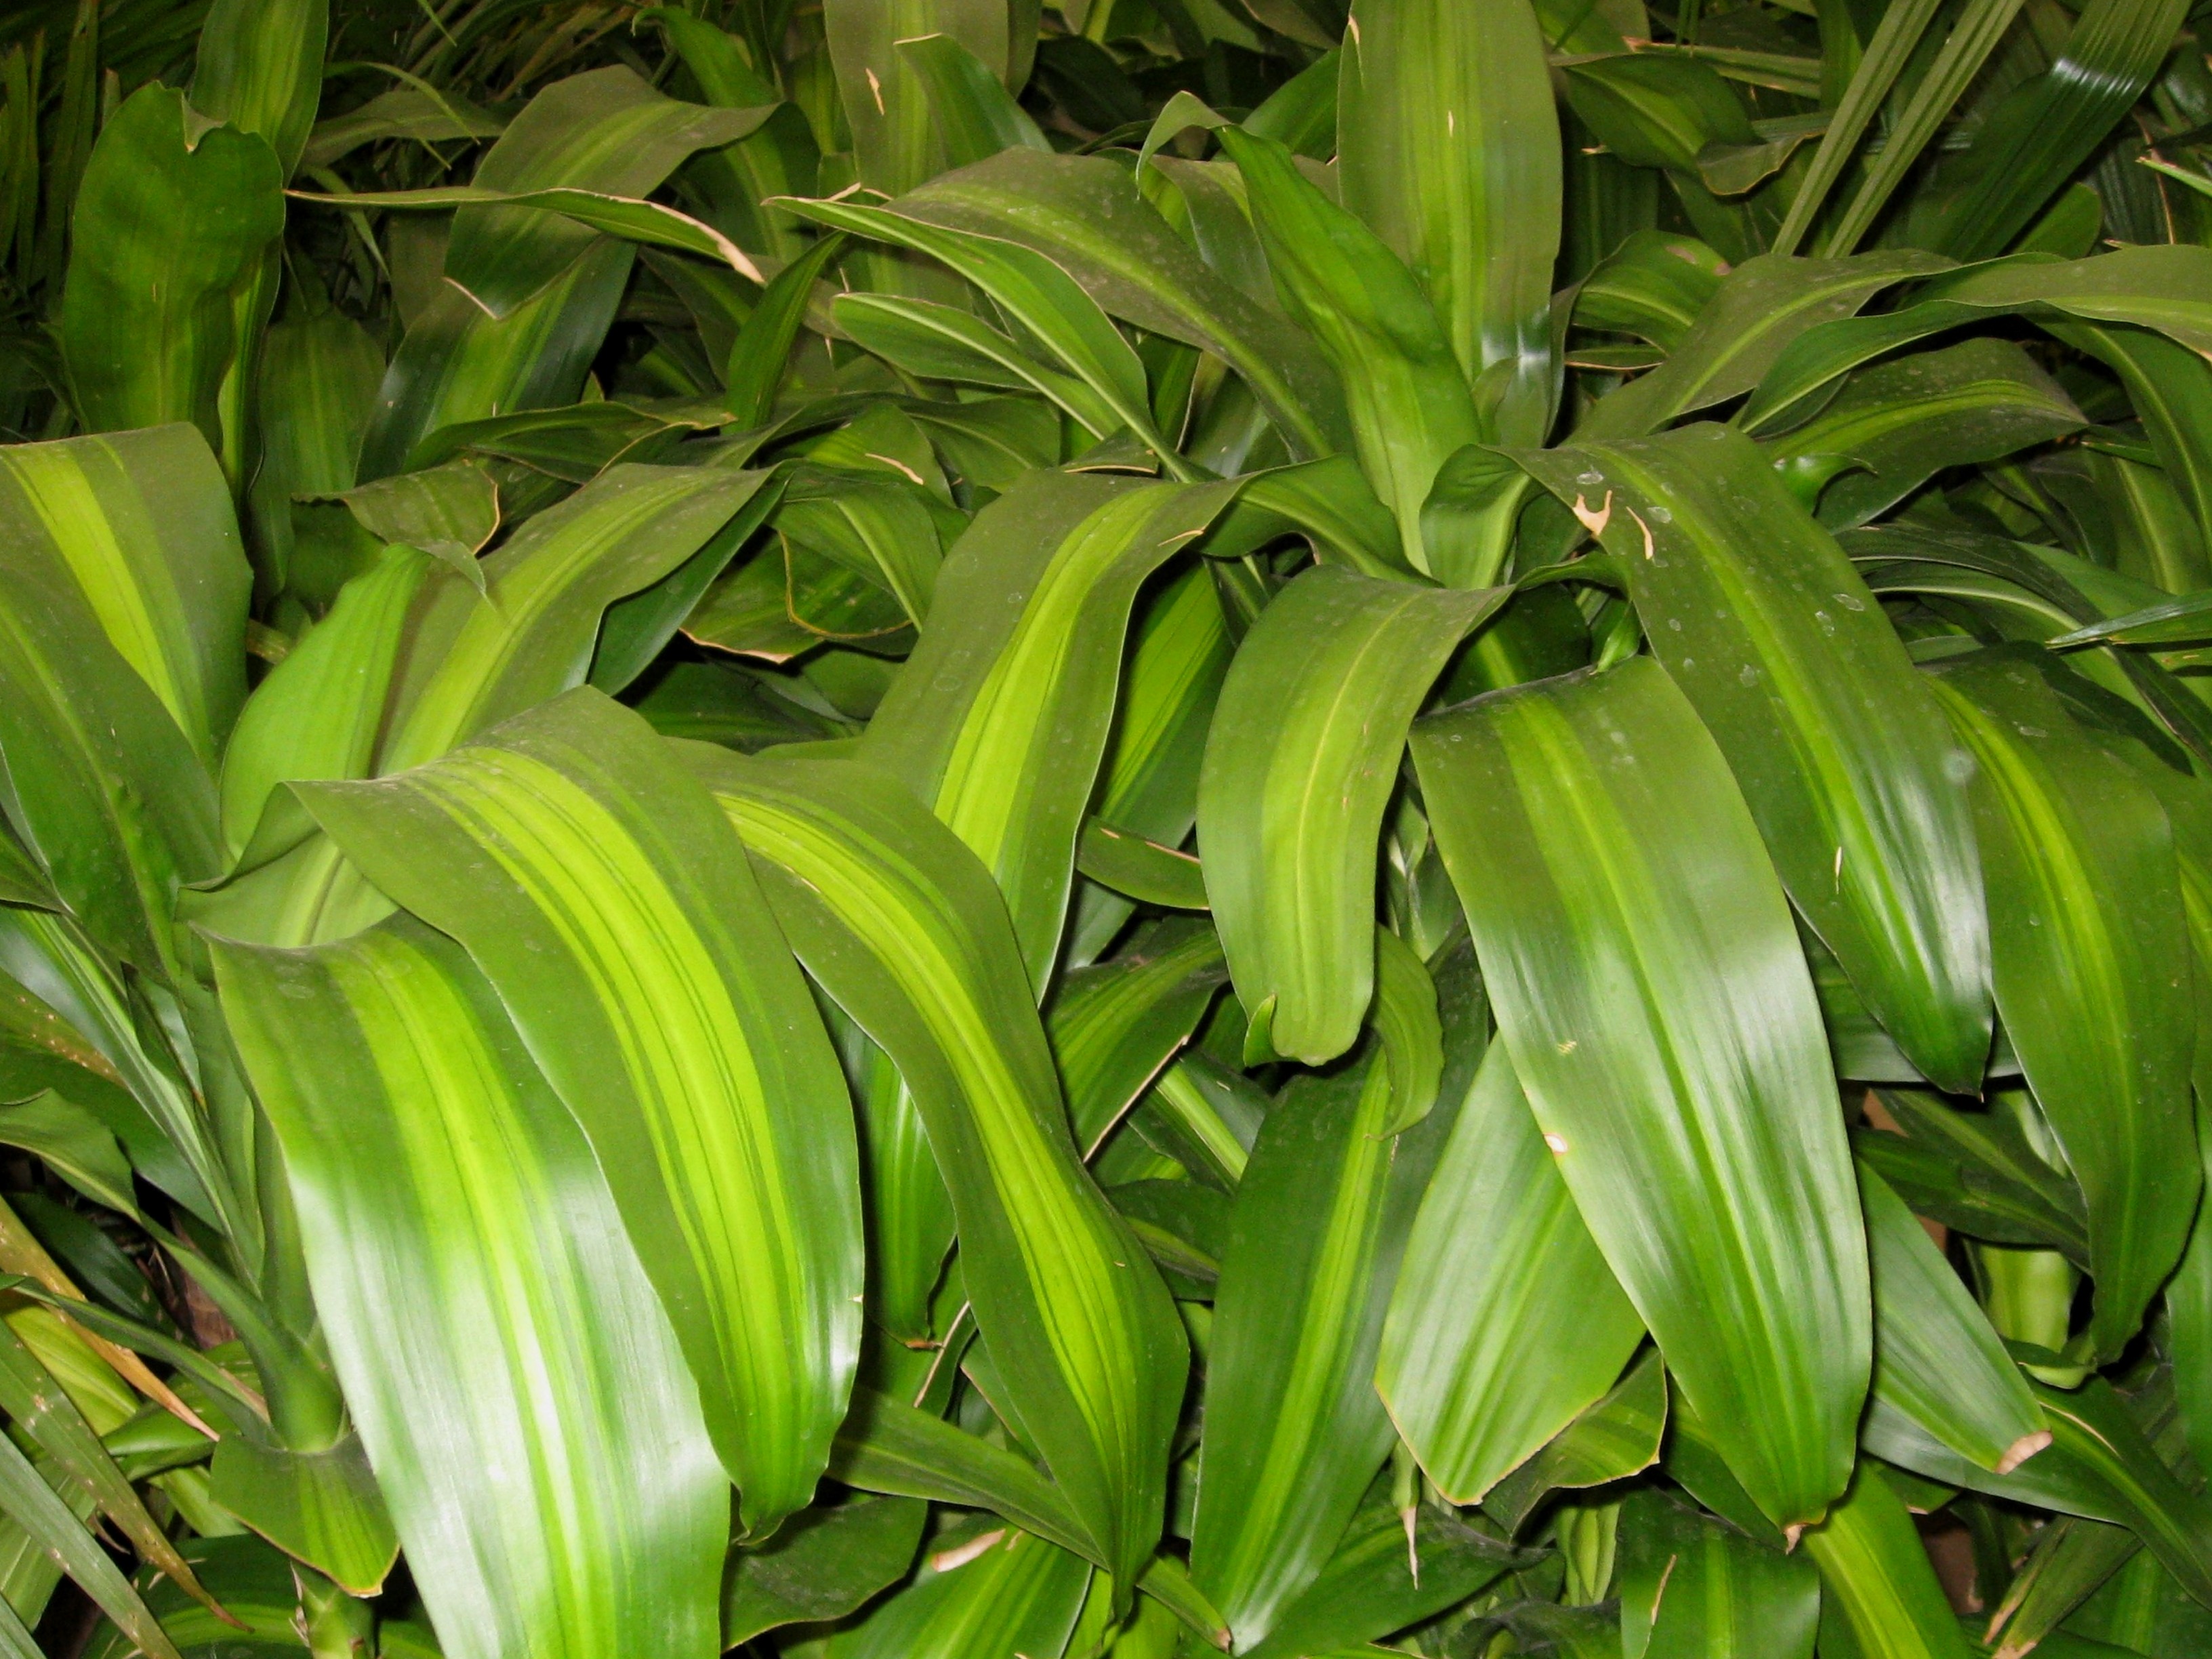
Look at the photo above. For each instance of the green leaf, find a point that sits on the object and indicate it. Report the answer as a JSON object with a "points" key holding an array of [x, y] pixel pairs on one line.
{"points": [[260, 68], [2157, 288], [1114, 1025], [2086, 938], [1692, 1588], [168, 231], [318, 713], [1033, 292], [901, 925], [762, 348], [1653, 285], [74, 1144], [1506, 1322], [1002, 717], [975, 116], [1760, 308], [1405, 1018], [1762, 620], [1141, 869], [1370, 1585], [446, 1195], [1935, 1359], [1449, 149], [318, 385], [1410, 405], [1976, 1171], [140, 523], [605, 133], [887, 100], [1648, 986], [427, 115], [457, 364], [1609, 1440], [995, 1592], [1294, 1430], [1906, 420], [572, 856], [1878, 1583], [530, 636], [826, 1563], [321, 1507], [28, 1500], [1084, 214], [1299, 765]]}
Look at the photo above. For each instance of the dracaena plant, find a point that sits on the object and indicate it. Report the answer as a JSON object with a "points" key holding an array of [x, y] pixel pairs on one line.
{"points": [[932, 831]]}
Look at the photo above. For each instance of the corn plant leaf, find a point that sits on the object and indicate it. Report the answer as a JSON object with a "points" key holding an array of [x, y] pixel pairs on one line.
{"points": [[322, 1507], [1002, 718], [1449, 149], [1506, 1322], [1692, 1588], [1761, 307], [141, 523], [1031, 289], [1370, 1587], [107, 792], [426, 116], [571, 855], [2087, 933], [445, 1192], [901, 925], [1293, 1429], [1114, 1025], [1876, 1580], [1906, 420], [1083, 214], [975, 117], [1767, 629], [1611, 1439], [826, 1563], [167, 232], [458, 363], [885, 99], [997, 1592], [1649, 989], [2158, 288], [49, 1526], [1299, 764], [1139, 868], [1410, 405], [1936, 1360], [260, 68], [605, 132]]}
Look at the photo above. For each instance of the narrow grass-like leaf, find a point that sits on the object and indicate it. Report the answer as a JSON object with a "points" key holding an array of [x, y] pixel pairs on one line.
{"points": [[1114, 1025], [1878, 1583], [572, 856], [459, 1232], [1650, 990]]}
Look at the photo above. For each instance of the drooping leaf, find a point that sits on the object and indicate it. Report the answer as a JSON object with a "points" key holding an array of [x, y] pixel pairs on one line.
{"points": [[572, 856], [1839, 746], [902, 927], [1617, 1436], [1299, 764], [1877, 1583], [446, 1194], [1632, 940], [1506, 1322]]}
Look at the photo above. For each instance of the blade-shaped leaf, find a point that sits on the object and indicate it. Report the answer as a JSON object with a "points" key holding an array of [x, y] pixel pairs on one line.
{"points": [[1115, 1025], [1410, 405], [1299, 764], [602, 894], [1616, 1437], [457, 1233], [1449, 147], [1839, 746], [1877, 1582], [1506, 1322], [1692, 1589], [1002, 717], [903, 928], [1650, 988], [2090, 966]]}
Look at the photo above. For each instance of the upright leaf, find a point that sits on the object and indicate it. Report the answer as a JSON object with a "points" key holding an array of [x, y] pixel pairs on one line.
{"points": [[1650, 988], [260, 68], [1449, 147], [604, 897]]}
